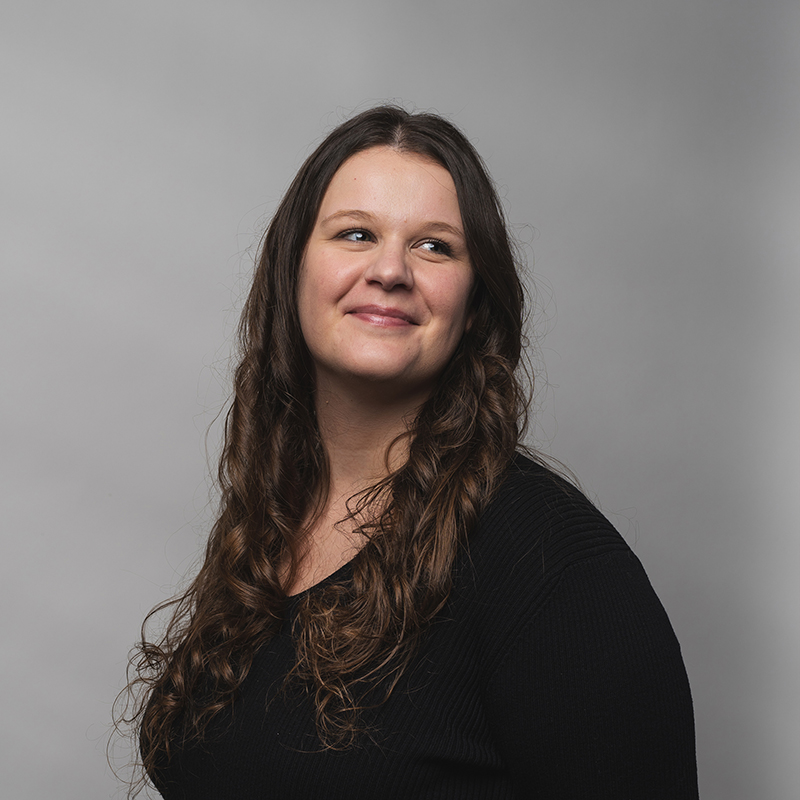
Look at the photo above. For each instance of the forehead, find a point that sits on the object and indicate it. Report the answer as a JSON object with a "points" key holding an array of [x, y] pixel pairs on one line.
{"points": [[383, 180]]}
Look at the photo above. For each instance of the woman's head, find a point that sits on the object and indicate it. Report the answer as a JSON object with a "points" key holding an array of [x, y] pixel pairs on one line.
{"points": [[496, 299], [385, 286]]}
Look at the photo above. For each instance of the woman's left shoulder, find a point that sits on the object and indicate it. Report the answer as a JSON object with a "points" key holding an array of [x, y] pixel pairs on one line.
{"points": [[537, 533], [543, 551], [538, 515], [586, 692]]}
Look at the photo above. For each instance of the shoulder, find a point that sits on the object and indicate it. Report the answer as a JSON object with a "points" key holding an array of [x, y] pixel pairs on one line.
{"points": [[540, 534], [537, 514]]}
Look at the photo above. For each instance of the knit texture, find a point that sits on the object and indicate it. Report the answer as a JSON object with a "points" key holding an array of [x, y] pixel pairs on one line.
{"points": [[552, 672]]}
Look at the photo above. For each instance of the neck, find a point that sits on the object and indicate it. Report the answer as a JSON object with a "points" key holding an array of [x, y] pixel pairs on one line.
{"points": [[357, 432]]}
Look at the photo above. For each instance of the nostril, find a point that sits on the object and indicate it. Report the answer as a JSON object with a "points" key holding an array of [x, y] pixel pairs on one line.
{"points": [[390, 273]]}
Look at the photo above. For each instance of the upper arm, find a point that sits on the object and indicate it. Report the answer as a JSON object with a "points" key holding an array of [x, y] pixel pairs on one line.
{"points": [[592, 700]]}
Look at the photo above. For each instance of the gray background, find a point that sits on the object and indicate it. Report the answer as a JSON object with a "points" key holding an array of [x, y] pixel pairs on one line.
{"points": [[647, 154]]}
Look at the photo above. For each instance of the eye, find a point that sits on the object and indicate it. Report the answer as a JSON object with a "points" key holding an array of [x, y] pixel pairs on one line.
{"points": [[437, 246], [356, 235]]}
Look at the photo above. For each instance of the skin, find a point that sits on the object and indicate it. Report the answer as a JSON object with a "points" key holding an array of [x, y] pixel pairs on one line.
{"points": [[383, 300]]}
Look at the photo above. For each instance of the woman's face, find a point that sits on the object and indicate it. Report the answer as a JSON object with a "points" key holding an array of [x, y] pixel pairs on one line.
{"points": [[385, 282]]}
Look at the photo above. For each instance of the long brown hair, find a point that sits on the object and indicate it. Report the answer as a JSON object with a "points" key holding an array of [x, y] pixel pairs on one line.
{"points": [[354, 635]]}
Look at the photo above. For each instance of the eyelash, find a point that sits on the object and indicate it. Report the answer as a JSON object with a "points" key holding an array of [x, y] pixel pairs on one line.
{"points": [[347, 233], [444, 248]]}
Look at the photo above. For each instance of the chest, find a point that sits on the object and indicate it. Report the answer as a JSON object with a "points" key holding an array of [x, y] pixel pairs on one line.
{"points": [[431, 735]]}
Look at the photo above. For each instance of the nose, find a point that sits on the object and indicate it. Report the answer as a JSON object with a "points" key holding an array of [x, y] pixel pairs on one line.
{"points": [[389, 267]]}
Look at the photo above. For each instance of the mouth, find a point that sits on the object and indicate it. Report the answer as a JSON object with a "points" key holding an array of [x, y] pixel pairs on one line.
{"points": [[383, 315]]}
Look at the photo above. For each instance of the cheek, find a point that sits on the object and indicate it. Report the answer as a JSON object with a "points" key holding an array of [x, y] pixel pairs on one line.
{"points": [[322, 282], [456, 298], [304, 301], [310, 301], [311, 285], [320, 287]]}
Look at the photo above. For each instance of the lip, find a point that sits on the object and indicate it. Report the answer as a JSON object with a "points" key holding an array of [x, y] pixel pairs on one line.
{"points": [[383, 315]]}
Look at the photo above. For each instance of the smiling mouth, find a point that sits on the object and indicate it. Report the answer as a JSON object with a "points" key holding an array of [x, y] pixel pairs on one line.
{"points": [[380, 315]]}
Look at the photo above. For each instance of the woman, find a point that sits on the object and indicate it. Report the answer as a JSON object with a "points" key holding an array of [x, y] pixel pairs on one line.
{"points": [[394, 601]]}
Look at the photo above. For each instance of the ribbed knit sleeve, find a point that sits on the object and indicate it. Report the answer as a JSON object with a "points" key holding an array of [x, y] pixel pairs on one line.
{"points": [[586, 693], [615, 720]]}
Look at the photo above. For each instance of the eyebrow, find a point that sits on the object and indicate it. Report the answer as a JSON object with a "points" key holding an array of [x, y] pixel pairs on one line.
{"points": [[354, 213], [351, 213]]}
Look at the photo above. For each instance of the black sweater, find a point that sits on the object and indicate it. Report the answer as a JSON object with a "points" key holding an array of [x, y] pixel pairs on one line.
{"points": [[552, 672]]}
